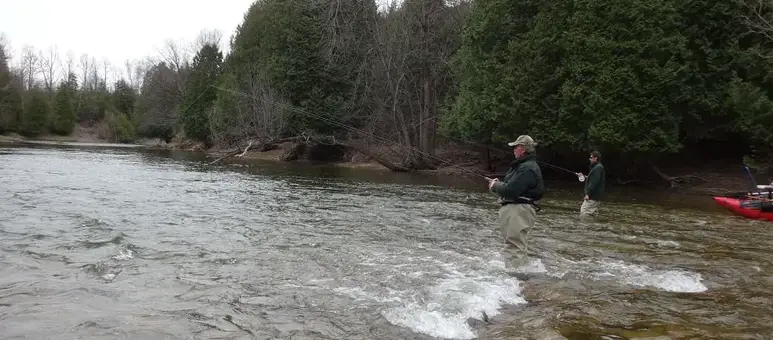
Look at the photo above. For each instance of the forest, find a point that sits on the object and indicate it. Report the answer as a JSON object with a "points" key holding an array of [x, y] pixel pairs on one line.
{"points": [[645, 82]]}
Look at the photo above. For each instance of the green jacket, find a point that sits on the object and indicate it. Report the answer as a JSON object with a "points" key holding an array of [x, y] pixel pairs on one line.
{"points": [[596, 182], [523, 180]]}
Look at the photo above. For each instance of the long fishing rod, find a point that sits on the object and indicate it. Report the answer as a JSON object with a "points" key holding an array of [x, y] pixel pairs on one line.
{"points": [[579, 175], [354, 129]]}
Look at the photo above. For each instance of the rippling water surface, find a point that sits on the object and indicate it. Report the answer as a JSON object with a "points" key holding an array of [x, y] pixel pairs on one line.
{"points": [[114, 244]]}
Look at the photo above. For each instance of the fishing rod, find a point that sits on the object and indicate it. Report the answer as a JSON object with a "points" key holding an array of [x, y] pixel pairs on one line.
{"points": [[580, 176]]}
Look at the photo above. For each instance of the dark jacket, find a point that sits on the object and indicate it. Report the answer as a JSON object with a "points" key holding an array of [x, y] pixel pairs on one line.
{"points": [[596, 182], [523, 180]]}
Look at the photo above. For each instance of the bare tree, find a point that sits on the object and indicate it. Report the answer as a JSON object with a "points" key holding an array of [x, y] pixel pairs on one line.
{"points": [[207, 37], [5, 44], [412, 71], [48, 61], [177, 58], [258, 113], [85, 65], [29, 63], [67, 65], [135, 72], [759, 17], [140, 68], [95, 79], [116, 74], [105, 71], [129, 69]]}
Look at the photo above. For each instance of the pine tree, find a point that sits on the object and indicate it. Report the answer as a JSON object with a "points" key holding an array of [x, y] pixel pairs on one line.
{"points": [[63, 116], [36, 112], [124, 98], [199, 93], [10, 98]]}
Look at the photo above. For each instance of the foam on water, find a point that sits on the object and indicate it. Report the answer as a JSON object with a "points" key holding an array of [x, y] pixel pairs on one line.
{"points": [[668, 280], [671, 280], [664, 243], [450, 293], [454, 300], [124, 254]]}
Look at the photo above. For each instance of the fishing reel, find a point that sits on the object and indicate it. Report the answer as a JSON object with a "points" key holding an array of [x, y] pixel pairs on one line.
{"points": [[580, 177]]}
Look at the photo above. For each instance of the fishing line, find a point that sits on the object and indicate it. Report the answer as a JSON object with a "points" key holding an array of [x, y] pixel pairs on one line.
{"points": [[354, 129], [579, 175]]}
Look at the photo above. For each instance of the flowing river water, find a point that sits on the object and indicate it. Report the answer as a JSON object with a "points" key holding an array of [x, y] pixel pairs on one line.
{"points": [[132, 244]]}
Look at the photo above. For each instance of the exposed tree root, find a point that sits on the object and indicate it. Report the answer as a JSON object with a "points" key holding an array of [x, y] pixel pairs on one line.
{"points": [[380, 160], [295, 152], [227, 155]]}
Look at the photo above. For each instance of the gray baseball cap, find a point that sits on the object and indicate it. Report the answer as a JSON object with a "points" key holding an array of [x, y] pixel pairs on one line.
{"points": [[524, 140]]}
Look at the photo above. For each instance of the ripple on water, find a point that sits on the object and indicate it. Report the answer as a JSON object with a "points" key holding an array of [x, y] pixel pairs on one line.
{"points": [[139, 246]]}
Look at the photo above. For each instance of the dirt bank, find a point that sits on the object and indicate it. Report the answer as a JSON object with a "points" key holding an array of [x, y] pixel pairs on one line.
{"points": [[456, 161], [80, 134], [712, 179]]}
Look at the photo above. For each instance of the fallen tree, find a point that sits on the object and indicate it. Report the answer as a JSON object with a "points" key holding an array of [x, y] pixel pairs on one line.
{"points": [[302, 144], [372, 155], [676, 181], [262, 146]]}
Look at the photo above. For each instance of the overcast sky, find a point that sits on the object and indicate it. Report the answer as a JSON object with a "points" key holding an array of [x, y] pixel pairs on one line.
{"points": [[118, 30]]}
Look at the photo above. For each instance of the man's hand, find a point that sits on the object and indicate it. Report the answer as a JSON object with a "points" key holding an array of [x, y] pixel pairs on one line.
{"points": [[491, 182], [587, 197]]}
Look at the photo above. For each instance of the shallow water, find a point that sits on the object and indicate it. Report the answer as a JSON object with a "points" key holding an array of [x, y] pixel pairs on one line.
{"points": [[112, 244]]}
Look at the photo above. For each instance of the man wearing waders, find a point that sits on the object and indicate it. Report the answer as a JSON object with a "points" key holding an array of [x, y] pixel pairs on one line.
{"points": [[519, 192], [594, 186]]}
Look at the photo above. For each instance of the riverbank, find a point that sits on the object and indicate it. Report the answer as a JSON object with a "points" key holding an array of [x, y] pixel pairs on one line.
{"points": [[708, 180], [711, 179]]}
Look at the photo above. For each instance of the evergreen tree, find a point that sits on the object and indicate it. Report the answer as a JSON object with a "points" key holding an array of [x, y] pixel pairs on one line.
{"points": [[63, 117], [279, 45], [124, 98], [36, 112], [10, 97], [200, 93]]}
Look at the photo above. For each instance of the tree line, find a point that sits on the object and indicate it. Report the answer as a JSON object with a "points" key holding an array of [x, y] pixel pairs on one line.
{"points": [[639, 80]]}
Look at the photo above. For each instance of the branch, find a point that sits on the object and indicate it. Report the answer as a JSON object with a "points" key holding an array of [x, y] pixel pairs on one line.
{"points": [[675, 181], [245, 150], [265, 146], [758, 23]]}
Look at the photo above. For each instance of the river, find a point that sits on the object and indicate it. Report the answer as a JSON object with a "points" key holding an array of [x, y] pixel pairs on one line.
{"points": [[102, 243]]}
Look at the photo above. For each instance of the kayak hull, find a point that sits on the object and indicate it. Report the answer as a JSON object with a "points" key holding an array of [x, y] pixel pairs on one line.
{"points": [[741, 208]]}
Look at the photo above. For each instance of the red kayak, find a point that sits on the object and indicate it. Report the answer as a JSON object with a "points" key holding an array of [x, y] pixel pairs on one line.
{"points": [[753, 208]]}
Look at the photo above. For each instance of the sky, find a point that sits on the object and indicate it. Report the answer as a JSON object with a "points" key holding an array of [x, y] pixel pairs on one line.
{"points": [[116, 30]]}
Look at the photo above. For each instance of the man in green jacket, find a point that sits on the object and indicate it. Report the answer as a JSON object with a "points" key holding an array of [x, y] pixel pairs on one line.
{"points": [[594, 186], [519, 192]]}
